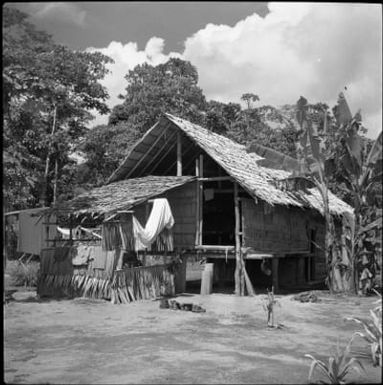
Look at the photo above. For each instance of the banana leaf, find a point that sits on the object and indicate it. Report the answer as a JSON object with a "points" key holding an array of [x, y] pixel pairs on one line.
{"points": [[375, 153], [274, 159], [342, 111]]}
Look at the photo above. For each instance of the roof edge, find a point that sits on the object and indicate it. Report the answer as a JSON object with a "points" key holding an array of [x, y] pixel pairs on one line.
{"points": [[114, 176]]}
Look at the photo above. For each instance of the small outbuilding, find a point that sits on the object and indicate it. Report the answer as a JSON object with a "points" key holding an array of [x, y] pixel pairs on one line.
{"points": [[27, 232]]}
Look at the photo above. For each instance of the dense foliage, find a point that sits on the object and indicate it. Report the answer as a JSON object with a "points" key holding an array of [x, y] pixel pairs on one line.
{"points": [[170, 87], [48, 91], [335, 153]]}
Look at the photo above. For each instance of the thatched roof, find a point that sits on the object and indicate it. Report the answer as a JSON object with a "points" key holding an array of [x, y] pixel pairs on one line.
{"points": [[257, 180], [124, 188], [124, 194], [260, 182]]}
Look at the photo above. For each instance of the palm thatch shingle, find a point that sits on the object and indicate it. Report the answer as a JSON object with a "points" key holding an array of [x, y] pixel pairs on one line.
{"points": [[124, 194]]}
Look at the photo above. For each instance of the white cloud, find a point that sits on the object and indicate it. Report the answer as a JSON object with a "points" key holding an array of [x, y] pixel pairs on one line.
{"points": [[58, 11], [313, 49], [126, 57]]}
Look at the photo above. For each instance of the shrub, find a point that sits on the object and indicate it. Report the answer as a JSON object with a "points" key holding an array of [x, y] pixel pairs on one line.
{"points": [[338, 366], [269, 304], [372, 331], [23, 274]]}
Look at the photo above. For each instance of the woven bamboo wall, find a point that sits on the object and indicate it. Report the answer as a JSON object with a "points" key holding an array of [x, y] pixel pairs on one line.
{"points": [[277, 229], [183, 203], [320, 260]]}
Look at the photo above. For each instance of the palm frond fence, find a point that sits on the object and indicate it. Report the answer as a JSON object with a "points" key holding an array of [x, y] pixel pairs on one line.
{"points": [[125, 286]]}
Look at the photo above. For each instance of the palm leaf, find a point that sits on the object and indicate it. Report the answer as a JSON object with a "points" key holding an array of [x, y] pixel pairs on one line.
{"points": [[356, 364], [317, 363], [332, 368]]}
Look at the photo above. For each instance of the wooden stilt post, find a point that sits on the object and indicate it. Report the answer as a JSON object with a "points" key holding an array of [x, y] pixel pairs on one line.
{"points": [[238, 275], [179, 154], [198, 202], [275, 264], [70, 230], [200, 224]]}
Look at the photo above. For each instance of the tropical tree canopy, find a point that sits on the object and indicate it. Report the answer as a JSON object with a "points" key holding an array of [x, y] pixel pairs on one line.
{"points": [[47, 95]]}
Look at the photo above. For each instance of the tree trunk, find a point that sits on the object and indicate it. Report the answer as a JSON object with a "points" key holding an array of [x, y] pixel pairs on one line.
{"points": [[338, 280], [44, 198], [333, 281], [55, 182]]}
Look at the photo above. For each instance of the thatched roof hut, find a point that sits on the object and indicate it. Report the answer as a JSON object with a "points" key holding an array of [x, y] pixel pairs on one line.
{"points": [[225, 203], [132, 182]]}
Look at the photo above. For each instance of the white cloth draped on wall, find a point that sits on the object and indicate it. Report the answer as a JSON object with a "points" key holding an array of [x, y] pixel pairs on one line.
{"points": [[160, 219]]}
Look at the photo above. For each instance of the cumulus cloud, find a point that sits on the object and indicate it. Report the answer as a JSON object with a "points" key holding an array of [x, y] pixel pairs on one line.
{"points": [[61, 12], [126, 57], [314, 50], [309, 49]]}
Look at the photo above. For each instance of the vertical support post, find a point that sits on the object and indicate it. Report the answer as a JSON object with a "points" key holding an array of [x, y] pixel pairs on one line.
{"points": [[179, 154], [70, 230], [197, 201], [200, 224], [238, 263], [5, 254], [275, 264]]}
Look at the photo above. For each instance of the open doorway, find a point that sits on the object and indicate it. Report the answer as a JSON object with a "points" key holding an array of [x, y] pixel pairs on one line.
{"points": [[218, 214]]}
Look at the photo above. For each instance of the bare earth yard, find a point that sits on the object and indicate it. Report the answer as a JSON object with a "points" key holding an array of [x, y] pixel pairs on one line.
{"points": [[87, 341]]}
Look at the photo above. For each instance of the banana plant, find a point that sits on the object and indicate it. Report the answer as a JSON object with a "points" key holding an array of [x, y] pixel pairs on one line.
{"points": [[326, 144], [361, 173], [319, 154], [315, 161]]}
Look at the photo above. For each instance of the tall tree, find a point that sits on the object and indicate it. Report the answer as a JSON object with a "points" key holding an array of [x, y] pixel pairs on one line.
{"points": [[104, 147], [248, 98], [265, 126], [170, 87], [221, 117], [48, 92]]}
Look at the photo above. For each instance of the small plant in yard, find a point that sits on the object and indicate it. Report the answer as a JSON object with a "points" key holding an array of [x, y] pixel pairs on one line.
{"points": [[23, 275], [372, 331], [269, 306], [338, 367]]}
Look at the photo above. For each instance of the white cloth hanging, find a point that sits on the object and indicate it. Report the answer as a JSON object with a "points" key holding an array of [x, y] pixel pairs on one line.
{"points": [[65, 232], [160, 217]]}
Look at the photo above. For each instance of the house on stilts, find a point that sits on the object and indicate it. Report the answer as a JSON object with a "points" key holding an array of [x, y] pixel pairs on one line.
{"points": [[227, 208]]}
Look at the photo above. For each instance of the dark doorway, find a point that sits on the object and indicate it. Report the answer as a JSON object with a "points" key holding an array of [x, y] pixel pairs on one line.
{"points": [[218, 214]]}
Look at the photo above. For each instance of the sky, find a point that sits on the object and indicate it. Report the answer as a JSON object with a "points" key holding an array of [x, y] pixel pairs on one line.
{"points": [[278, 51]]}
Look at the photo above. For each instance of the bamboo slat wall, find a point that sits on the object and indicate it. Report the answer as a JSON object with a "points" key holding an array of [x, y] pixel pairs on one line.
{"points": [[276, 229], [183, 203]]}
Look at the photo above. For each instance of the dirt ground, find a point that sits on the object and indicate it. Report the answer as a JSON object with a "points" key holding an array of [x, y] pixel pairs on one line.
{"points": [[87, 341]]}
